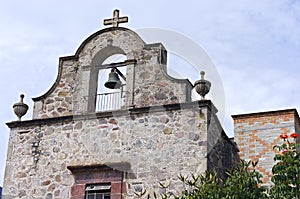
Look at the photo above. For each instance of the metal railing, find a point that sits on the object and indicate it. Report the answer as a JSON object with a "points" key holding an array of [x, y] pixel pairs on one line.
{"points": [[109, 101]]}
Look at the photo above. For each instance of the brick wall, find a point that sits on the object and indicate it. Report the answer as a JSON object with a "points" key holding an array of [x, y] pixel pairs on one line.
{"points": [[257, 133]]}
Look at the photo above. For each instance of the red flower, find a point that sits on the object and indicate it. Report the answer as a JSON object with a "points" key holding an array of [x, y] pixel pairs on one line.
{"points": [[295, 135], [281, 163], [283, 136], [285, 151]]}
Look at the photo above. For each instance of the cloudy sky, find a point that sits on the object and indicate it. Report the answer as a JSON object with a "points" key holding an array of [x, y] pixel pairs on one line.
{"points": [[254, 46]]}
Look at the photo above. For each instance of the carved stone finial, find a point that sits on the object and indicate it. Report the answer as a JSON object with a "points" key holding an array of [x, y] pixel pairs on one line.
{"points": [[202, 86], [20, 108]]}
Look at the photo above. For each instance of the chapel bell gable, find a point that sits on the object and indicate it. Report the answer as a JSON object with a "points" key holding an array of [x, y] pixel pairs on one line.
{"points": [[140, 79], [113, 125]]}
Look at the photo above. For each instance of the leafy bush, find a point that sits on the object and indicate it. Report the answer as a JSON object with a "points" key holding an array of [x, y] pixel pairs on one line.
{"points": [[243, 182], [240, 184], [286, 171]]}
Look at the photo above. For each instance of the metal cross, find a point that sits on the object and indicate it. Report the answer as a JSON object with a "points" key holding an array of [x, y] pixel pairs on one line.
{"points": [[115, 20]]}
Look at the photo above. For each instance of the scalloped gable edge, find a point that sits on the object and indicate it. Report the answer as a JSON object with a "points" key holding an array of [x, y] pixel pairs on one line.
{"points": [[76, 56]]}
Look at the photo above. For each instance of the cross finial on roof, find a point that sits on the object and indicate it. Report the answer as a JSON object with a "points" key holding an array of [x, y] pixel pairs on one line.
{"points": [[115, 20]]}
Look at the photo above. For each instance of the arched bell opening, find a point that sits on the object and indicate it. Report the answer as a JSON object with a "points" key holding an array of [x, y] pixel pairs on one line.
{"points": [[106, 70], [111, 86]]}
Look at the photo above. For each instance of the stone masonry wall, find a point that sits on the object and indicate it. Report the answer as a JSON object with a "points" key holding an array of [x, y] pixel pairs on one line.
{"points": [[222, 153], [257, 133], [158, 145], [60, 101], [153, 86]]}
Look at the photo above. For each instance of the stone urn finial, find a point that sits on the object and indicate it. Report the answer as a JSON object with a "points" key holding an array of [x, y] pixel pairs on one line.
{"points": [[202, 86], [20, 108]]}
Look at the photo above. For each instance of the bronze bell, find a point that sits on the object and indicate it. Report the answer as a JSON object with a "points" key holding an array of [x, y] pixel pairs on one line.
{"points": [[113, 81]]}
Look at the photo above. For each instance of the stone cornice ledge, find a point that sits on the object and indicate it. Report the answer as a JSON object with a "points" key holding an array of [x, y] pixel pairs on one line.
{"points": [[119, 166], [130, 112]]}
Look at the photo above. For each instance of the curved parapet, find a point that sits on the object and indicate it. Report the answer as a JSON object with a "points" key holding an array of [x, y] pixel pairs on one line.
{"points": [[147, 82]]}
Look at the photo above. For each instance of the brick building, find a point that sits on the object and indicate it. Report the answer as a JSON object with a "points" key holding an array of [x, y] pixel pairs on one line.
{"points": [[257, 133]]}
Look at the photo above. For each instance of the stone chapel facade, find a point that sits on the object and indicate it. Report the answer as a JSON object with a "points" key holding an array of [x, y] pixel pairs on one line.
{"points": [[84, 144], [77, 147]]}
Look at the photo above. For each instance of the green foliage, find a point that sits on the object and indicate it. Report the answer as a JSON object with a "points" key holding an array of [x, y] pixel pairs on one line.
{"points": [[286, 172], [203, 186], [243, 181], [240, 184]]}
